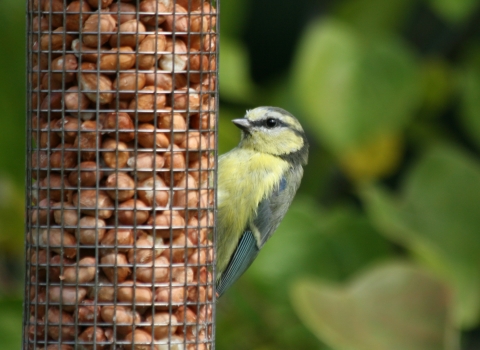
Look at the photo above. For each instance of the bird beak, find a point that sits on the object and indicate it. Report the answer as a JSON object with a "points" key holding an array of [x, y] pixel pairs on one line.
{"points": [[242, 123]]}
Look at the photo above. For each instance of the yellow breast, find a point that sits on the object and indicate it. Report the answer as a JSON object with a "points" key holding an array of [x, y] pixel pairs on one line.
{"points": [[244, 179]]}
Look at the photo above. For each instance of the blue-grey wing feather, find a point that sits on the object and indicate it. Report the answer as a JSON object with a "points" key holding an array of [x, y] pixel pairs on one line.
{"points": [[271, 210], [242, 258]]}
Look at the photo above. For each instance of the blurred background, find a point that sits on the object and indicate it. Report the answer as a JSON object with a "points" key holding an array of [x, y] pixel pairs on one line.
{"points": [[381, 248]]}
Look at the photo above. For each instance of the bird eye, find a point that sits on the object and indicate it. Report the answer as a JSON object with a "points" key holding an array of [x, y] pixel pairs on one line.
{"points": [[271, 123]]}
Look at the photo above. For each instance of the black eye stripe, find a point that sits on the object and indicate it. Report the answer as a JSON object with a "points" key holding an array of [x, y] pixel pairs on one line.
{"points": [[263, 122]]}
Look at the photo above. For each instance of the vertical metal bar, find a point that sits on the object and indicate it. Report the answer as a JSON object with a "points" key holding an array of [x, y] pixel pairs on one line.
{"points": [[26, 325]]}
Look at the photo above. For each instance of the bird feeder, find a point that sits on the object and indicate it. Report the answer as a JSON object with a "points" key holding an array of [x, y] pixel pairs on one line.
{"points": [[121, 155]]}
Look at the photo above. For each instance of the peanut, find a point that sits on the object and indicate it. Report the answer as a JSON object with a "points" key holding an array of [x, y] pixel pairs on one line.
{"points": [[66, 216], [153, 272], [67, 297], [86, 174], [153, 191], [85, 53], [148, 101], [77, 14], [196, 144], [56, 7], [167, 223], [150, 50], [122, 186], [100, 3], [145, 250], [98, 29], [129, 82], [117, 59], [93, 203], [162, 324], [134, 293], [115, 267], [85, 272], [95, 86], [175, 165], [186, 99], [133, 212], [64, 68], [90, 336], [178, 21], [90, 230], [176, 59], [117, 240], [174, 342], [39, 303], [181, 248], [56, 265], [60, 324], [188, 195], [123, 317], [87, 312], [131, 33], [145, 163], [77, 102], [67, 129], [56, 40], [140, 339], [123, 12], [165, 296], [54, 187], [175, 125], [39, 164], [151, 12], [116, 157], [60, 242], [40, 24], [161, 80], [63, 156], [151, 137]]}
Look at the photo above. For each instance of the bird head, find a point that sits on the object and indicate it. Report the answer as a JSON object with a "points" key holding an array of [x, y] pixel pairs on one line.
{"points": [[274, 131]]}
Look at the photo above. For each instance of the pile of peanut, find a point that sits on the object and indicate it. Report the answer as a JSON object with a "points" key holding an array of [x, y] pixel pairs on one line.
{"points": [[121, 159]]}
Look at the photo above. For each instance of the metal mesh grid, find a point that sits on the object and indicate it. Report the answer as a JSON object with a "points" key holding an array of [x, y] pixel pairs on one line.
{"points": [[121, 142]]}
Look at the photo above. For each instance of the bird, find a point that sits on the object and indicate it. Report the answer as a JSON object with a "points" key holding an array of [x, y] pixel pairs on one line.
{"points": [[257, 181]]}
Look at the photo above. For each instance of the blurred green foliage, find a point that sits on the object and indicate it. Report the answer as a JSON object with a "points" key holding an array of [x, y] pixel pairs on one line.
{"points": [[381, 248]]}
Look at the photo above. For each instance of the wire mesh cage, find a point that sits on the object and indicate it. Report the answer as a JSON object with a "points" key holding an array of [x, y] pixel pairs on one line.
{"points": [[121, 141]]}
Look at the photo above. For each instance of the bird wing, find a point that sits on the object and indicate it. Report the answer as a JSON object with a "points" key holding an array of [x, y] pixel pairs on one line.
{"points": [[271, 211], [242, 258], [267, 219]]}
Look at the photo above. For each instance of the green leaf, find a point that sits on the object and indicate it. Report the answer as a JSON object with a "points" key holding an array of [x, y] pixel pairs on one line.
{"points": [[12, 90], [12, 214], [394, 306], [233, 17], [310, 240], [352, 88], [332, 244], [438, 85], [229, 134], [470, 96], [236, 84], [437, 218], [375, 16], [454, 11], [11, 323]]}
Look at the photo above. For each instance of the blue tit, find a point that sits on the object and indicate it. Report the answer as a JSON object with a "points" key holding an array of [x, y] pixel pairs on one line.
{"points": [[257, 181]]}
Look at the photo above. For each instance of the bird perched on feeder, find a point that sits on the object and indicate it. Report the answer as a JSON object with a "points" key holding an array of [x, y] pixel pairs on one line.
{"points": [[257, 181]]}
